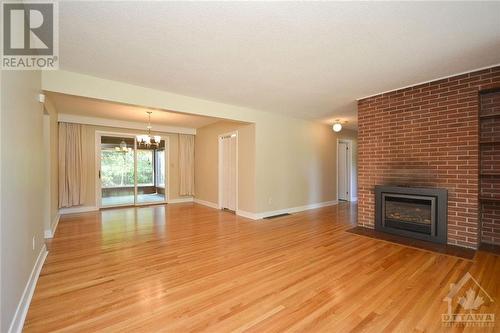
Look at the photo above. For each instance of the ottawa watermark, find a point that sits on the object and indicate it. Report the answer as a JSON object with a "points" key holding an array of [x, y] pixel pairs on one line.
{"points": [[467, 295], [30, 35]]}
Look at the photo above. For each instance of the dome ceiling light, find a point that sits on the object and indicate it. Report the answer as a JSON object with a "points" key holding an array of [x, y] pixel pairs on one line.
{"points": [[337, 126]]}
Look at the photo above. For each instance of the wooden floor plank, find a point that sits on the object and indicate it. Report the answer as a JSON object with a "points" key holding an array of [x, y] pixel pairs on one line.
{"points": [[190, 268]]}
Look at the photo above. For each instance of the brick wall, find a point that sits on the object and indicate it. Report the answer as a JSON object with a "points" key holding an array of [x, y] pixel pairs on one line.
{"points": [[491, 225], [426, 135]]}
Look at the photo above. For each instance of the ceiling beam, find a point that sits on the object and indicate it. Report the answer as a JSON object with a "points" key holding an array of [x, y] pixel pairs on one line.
{"points": [[93, 87], [76, 119]]}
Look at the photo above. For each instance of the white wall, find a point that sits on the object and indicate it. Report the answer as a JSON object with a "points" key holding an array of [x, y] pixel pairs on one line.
{"points": [[22, 180]]}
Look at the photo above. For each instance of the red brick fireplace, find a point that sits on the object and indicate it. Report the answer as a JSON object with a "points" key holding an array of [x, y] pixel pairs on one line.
{"points": [[427, 136]]}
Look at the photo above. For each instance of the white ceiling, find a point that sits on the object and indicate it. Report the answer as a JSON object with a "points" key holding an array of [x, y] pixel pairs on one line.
{"points": [[305, 59], [82, 106]]}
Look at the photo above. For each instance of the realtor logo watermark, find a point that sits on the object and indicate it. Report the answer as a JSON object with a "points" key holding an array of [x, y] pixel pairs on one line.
{"points": [[30, 38], [467, 295]]}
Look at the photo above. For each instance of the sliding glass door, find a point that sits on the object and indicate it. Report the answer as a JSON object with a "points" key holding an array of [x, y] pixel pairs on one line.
{"points": [[131, 175], [151, 174], [117, 171]]}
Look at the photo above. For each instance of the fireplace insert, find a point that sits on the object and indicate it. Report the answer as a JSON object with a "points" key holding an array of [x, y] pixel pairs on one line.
{"points": [[415, 212]]}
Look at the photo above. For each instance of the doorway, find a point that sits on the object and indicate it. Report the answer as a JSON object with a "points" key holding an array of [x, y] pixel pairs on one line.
{"points": [[228, 171], [344, 169], [128, 174]]}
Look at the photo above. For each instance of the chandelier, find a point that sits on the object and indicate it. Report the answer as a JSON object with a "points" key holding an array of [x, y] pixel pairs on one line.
{"points": [[146, 140], [122, 148]]}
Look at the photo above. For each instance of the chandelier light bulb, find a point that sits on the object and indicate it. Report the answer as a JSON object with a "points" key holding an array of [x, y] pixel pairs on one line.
{"points": [[123, 146]]}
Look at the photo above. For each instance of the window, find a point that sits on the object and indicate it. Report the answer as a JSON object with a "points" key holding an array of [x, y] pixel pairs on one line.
{"points": [[160, 168], [117, 168], [145, 167]]}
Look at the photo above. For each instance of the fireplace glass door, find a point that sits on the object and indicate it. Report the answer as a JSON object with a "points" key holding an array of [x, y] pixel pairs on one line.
{"points": [[409, 212]]}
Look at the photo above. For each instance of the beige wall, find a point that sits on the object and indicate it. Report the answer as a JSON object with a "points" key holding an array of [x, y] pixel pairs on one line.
{"points": [[206, 163], [89, 151], [22, 182], [295, 164], [295, 160], [283, 163], [51, 151]]}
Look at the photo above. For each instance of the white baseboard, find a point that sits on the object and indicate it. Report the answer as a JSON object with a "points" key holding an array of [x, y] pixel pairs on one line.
{"points": [[180, 200], [247, 215], [77, 209], [49, 233], [16, 325], [258, 216], [206, 203]]}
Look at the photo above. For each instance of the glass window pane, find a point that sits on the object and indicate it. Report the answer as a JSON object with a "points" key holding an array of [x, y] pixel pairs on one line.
{"points": [[117, 168], [145, 168], [160, 168], [117, 171]]}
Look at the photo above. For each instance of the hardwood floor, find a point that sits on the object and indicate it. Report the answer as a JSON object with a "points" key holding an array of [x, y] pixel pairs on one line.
{"points": [[187, 267]]}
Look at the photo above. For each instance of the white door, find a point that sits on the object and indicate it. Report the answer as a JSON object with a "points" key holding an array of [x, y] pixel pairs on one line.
{"points": [[228, 166], [343, 171]]}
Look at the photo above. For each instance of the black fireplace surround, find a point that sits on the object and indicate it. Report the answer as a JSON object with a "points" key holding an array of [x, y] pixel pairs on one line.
{"points": [[414, 212]]}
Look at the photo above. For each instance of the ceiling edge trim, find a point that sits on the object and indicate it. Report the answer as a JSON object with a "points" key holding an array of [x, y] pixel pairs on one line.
{"points": [[76, 119], [428, 81]]}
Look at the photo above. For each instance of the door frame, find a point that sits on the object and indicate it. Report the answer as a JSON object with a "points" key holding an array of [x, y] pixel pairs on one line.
{"points": [[349, 167], [98, 185], [219, 168]]}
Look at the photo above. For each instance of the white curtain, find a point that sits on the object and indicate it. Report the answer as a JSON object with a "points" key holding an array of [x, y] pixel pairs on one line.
{"points": [[186, 164], [71, 168]]}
